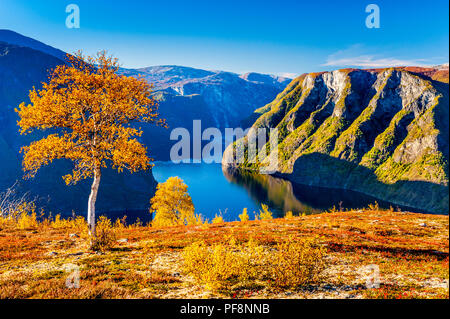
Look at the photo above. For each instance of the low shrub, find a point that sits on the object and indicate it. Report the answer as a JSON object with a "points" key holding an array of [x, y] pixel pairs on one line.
{"points": [[289, 215], [264, 213], [220, 266], [26, 216], [105, 235], [218, 219], [22, 217], [76, 224], [244, 216], [296, 263]]}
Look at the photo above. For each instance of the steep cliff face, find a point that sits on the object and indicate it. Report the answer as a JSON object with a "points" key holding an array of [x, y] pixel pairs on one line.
{"points": [[380, 132]]}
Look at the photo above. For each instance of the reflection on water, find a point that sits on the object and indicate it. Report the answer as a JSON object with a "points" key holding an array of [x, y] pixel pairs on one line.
{"points": [[275, 192], [210, 191], [227, 192], [283, 196]]}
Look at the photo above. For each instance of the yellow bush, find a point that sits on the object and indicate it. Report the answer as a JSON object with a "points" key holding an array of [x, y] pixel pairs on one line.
{"points": [[289, 215], [59, 222], [105, 235], [374, 206], [24, 216], [195, 219], [26, 221], [264, 214], [77, 224], [244, 216], [120, 223], [4, 221], [296, 263], [220, 266], [218, 219]]}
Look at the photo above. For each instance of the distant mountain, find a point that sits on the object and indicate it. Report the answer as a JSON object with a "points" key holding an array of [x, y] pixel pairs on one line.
{"points": [[441, 66], [15, 38], [219, 99], [230, 97], [383, 132], [277, 81]]}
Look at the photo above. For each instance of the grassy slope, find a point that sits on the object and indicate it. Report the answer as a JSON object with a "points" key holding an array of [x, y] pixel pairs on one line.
{"points": [[413, 258]]}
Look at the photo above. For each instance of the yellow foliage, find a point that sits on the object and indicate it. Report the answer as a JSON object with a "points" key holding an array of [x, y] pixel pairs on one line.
{"points": [[264, 214], [137, 223], [172, 205], [120, 223], [332, 210], [26, 221], [220, 266], [91, 106], [23, 217], [105, 235], [289, 215], [296, 263], [78, 223], [199, 220], [374, 207], [218, 219], [244, 216]]}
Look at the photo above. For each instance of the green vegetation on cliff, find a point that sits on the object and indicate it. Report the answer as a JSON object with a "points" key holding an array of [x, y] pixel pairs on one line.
{"points": [[380, 132]]}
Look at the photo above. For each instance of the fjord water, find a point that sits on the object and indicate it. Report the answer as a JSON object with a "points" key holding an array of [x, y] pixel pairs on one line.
{"points": [[216, 191]]}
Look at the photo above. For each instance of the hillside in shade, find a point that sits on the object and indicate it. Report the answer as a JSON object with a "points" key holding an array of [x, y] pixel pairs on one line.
{"points": [[217, 98], [229, 96], [383, 132], [11, 37]]}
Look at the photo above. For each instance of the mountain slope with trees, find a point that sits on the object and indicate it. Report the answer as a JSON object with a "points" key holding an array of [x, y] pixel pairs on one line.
{"points": [[382, 132]]}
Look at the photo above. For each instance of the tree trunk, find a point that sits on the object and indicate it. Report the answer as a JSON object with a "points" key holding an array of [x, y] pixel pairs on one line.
{"points": [[91, 204]]}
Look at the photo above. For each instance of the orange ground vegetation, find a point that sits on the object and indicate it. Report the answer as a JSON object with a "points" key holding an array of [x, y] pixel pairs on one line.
{"points": [[410, 250]]}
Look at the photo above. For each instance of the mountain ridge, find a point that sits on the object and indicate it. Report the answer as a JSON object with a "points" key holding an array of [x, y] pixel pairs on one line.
{"points": [[218, 98], [230, 96], [383, 132], [26, 63], [18, 39]]}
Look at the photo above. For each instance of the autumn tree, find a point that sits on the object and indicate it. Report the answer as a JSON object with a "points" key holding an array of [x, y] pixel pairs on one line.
{"points": [[172, 205], [90, 110]]}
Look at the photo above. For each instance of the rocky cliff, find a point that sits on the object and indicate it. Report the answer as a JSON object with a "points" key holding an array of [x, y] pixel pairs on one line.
{"points": [[382, 132]]}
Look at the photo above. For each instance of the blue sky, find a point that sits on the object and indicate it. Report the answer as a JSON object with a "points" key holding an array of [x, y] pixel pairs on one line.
{"points": [[278, 37]]}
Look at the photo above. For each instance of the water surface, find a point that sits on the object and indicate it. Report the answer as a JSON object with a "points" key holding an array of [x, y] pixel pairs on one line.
{"points": [[215, 191]]}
